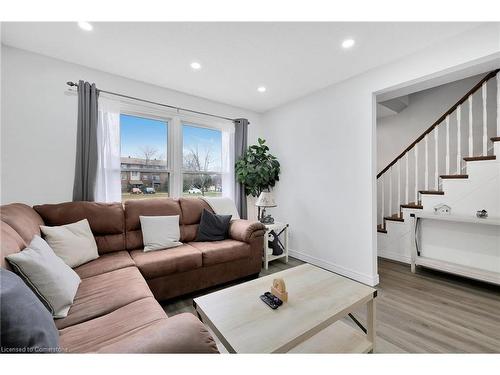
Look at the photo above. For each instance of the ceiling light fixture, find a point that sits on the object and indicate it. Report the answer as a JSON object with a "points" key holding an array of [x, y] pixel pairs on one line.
{"points": [[85, 26], [196, 65], [261, 89], [348, 43]]}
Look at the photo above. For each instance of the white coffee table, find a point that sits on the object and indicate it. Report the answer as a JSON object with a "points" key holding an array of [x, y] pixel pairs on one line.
{"points": [[310, 322]]}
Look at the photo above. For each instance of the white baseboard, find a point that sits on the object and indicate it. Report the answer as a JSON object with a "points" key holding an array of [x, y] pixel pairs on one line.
{"points": [[362, 278], [394, 256]]}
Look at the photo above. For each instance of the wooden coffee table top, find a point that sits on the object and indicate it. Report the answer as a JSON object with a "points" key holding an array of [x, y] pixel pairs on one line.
{"points": [[316, 299]]}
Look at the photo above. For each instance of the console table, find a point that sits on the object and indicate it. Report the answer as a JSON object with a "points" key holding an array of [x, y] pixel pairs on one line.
{"points": [[418, 260]]}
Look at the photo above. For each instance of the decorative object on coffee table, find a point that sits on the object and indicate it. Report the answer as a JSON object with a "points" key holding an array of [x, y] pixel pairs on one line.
{"points": [[279, 229], [279, 289]]}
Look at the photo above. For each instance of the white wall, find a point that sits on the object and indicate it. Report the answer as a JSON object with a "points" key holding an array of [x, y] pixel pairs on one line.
{"points": [[39, 122], [326, 143]]}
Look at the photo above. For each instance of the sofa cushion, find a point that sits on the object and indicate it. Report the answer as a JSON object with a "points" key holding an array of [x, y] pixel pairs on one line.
{"points": [[192, 209], [101, 294], [11, 243], [222, 251], [105, 263], [52, 280], [106, 221], [182, 333], [146, 207], [26, 325], [23, 219], [213, 227], [74, 243], [91, 335], [165, 262], [160, 232]]}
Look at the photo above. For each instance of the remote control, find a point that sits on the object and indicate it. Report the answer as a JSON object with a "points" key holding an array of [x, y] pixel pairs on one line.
{"points": [[271, 300]]}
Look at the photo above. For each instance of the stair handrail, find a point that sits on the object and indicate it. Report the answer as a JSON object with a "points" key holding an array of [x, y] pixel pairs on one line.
{"points": [[441, 119]]}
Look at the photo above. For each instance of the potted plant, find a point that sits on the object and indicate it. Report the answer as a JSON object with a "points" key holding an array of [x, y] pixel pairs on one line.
{"points": [[257, 169]]}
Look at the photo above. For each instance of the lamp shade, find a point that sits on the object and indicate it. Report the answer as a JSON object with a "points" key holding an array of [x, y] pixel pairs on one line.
{"points": [[266, 199]]}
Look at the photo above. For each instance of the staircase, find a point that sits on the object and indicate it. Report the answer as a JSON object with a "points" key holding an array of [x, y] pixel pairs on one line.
{"points": [[456, 161]]}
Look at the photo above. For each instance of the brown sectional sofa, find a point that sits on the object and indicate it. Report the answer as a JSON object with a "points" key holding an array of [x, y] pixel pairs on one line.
{"points": [[115, 309]]}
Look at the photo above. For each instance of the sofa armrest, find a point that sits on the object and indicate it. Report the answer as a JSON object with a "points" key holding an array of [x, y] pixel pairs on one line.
{"points": [[182, 333], [245, 230]]}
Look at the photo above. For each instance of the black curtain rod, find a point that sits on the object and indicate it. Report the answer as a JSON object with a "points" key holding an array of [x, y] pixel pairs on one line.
{"points": [[73, 84]]}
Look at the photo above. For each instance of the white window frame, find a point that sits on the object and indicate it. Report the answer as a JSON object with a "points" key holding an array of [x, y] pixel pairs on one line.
{"points": [[175, 122]]}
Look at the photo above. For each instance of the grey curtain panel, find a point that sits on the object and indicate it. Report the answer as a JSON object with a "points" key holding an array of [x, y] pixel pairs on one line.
{"points": [[86, 143], [240, 146]]}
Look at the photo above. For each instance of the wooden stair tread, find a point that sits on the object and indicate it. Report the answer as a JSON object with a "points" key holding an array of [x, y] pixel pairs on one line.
{"points": [[381, 229], [495, 139], [435, 192], [478, 158], [412, 205], [395, 217], [453, 176]]}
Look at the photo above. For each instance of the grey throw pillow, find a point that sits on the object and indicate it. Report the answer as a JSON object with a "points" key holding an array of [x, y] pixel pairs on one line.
{"points": [[213, 227], [26, 325], [52, 280]]}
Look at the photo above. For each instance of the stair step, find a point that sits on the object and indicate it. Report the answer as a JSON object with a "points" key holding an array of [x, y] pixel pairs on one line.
{"points": [[381, 229], [478, 158], [453, 176], [395, 217], [412, 205], [434, 192], [495, 139]]}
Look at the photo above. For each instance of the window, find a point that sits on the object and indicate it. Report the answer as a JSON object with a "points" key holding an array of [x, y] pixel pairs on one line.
{"points": [[202, 161], [143, 149]]}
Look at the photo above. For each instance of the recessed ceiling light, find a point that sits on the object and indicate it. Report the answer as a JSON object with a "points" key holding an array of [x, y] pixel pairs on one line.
{"points": [[196, 65], [261, 89], [348, 43], [85, 26]]}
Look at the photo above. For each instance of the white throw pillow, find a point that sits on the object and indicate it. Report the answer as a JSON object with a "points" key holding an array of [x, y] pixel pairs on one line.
{"points": [[160, 232], [52, 280], [73, 243]]}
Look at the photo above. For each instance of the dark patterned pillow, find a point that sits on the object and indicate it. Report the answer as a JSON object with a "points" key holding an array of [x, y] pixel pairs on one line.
{"points": [[213, 227], [26, 325]]}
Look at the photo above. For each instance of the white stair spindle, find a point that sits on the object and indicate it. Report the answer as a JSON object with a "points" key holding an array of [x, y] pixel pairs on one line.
{"points": [[448, 144], [406, 176], [459, 140], [436, 154], [426, 151], [416, 173], [498, 105], [399, 186], [471, 139], [383, 199], [485, 119], [390, 191]]}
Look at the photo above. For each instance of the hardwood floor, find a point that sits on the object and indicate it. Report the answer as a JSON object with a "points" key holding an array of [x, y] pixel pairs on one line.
{"points": [[426, 312]]}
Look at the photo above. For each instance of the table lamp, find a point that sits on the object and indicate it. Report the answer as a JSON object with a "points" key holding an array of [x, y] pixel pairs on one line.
{"points": [[265, 200]]}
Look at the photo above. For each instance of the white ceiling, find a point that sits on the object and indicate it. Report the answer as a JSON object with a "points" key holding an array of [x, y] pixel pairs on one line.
{"points": [[290, 59]]}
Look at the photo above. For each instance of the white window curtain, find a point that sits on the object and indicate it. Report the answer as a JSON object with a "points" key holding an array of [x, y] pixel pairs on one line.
{"points": [[228, 175], [108, 182]]}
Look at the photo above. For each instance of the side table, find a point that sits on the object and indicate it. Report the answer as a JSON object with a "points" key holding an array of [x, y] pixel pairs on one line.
{"points": [[268, 253]]}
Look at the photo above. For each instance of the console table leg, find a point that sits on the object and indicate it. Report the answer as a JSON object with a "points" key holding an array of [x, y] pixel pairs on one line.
{"points": [[371, 316]]}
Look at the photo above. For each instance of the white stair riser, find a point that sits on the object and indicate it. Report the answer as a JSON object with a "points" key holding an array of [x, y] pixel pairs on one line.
{"points": [[496, 148]]}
